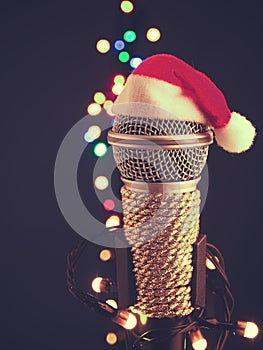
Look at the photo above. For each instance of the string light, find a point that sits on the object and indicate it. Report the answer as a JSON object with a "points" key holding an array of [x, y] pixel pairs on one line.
{"points": [[247, 329], [103, 46], [111, 338], [129, 36], [135, 62], [119, 79], [93, 109], [117, 89], [198, 341], [125, 319], [127, 6], [105, 255], [100, 149], [109, 204], [112, 303], [113, 221], [124, 56], [99, 97], [101, 183], [119, 45], [103, 285], [92, 134], [153, 34], [97, 284]]}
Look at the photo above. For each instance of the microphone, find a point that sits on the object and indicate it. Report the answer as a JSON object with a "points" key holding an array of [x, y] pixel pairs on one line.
{"points": [[160, 161]]}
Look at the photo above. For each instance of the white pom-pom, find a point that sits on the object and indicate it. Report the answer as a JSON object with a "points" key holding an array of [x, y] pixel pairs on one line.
{"points": [[237, 136]]}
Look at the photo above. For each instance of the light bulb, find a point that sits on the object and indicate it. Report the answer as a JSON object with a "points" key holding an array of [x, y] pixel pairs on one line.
{"points": [[125, 319], [96, 284], [112, 303], [198, 341], [102, 285], [247, 329]]}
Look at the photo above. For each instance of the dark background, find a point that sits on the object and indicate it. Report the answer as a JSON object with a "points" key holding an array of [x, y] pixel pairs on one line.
{"points": [[49, 70]]}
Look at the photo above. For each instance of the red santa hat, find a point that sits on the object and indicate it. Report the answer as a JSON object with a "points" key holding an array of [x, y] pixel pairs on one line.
{"points": [[166, 83]]}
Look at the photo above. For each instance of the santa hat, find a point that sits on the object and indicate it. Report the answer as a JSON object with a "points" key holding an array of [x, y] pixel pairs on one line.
{"points": [[166, 83]]}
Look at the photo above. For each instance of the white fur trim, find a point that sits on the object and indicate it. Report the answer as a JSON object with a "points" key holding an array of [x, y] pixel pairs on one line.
{"points": [[237, 136], [146, 96]]}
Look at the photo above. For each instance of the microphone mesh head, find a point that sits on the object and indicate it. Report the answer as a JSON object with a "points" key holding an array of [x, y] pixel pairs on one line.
{"points": [[159, 165]]}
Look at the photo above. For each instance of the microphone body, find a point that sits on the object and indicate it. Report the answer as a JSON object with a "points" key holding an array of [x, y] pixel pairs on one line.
{"points": [[160, 161]]}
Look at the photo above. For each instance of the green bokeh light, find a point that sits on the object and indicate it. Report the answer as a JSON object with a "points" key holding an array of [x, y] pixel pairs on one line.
{"points": [[129, 36], [124, 56], [100, 149]]}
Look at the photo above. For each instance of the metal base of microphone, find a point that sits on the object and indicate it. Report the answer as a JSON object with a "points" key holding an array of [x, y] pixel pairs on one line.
{"points": [[162, 187]]}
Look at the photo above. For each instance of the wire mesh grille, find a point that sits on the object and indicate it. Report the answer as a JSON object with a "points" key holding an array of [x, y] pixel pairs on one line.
{"points": [[153, 126], [159, 165]]}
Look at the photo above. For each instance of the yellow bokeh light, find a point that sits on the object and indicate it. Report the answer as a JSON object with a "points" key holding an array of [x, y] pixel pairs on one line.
{"points": [[99, 97], [103, 46], [153, 34], [117, 88], [93, 133], [94, 109], [112, 221], [111, 338], [107, 104], [101, 183], [112, 303], [119, 79], [127, 6], [105, 255]]}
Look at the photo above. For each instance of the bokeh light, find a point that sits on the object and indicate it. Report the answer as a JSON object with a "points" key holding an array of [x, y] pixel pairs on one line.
{"points": [[153, 34], [112, 303], [99, 97], [124, 56], [129, 36], [119, 79], [143, 319], [103, 45], [127, 6], [113, 221], [111, 338], [119, 45], [101, 182], [94, 109], [105, 255], [107, 106], [92, 134], [117, 88], [135, 62], [109, 204], [100, 149]]}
